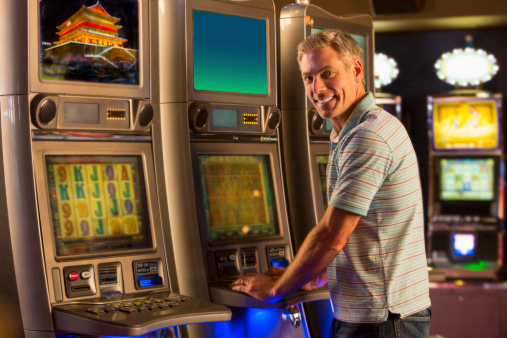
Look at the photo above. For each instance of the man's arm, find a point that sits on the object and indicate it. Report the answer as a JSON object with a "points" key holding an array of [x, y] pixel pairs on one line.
{"points": [[320, 247], [275, 272], [317, 282]]}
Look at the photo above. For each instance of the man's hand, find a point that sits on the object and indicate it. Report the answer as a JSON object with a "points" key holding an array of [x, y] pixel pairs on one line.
{"points": [[257, 285], [319, 249]]}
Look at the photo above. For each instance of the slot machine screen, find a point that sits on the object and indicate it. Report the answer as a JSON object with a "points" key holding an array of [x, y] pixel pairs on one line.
{"points": [[89, 41], [230, 53], [467, 179], [238, 196], [98, 204], [461, 124], [463, 245], [322, 161]]}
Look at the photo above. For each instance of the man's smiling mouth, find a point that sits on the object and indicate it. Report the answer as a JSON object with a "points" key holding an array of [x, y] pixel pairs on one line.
{"points": [[326, 100]]}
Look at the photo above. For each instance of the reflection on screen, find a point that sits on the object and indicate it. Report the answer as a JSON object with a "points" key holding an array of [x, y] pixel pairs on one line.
{"points": [[238, 196], [230, 53], [89, 41], [464, 124], [467, 179], [98, 204], [322, 161]]}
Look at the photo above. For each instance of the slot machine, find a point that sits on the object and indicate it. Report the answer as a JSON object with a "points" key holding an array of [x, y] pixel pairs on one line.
{"points": [[305, 135], [15, 164], [229, 145], [87, 244], [466, 196]]}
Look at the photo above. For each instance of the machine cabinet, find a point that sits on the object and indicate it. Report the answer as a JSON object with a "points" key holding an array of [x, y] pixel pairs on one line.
{"points": [[469, 310]]}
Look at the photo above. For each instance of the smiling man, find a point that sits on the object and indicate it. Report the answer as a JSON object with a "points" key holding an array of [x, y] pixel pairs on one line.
{"points": [[370, 244]]}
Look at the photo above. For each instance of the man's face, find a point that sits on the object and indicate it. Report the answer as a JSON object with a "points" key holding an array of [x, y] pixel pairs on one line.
{"points": [[333, 89]]}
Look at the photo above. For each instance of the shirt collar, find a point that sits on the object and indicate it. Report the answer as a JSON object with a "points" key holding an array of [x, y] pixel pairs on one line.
{"points": [[355, 118]]}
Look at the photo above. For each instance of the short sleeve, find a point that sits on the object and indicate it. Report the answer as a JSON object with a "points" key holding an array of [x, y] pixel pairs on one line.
{"points": [[361, 167]]}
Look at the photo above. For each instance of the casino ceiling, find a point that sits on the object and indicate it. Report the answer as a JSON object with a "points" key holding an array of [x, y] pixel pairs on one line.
{"points": [[419, 15]]}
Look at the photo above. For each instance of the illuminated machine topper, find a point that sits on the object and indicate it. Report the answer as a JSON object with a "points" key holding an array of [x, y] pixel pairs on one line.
{"points": [[386, 70], [238, 196], [98, 204], [467, 179], [465, 123], [466, 67], [97, 43]]}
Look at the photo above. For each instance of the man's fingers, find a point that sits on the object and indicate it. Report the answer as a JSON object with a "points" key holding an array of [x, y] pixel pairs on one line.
{"points": [[238, 288], [238, 282]]}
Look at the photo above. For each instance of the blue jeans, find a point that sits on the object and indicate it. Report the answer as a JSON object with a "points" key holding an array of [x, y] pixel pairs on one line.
{"points": [[416, 325]]}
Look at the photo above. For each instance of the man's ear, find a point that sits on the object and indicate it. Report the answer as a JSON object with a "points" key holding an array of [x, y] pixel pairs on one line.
{"points": [[358, 70]]}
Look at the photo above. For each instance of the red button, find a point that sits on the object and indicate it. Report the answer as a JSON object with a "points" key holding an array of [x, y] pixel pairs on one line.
{"points": [[73, 276]]}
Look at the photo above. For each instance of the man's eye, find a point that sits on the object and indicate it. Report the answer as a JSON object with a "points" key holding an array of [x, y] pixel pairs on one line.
{"points": [[327, 73], [308, 78]]}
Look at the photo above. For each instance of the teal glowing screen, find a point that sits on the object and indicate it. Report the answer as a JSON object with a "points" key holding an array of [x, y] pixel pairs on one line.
{"points": [[230, 53]]}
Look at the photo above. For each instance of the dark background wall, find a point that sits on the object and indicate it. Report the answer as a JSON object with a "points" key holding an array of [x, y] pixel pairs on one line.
{"points": [[416, 54]]}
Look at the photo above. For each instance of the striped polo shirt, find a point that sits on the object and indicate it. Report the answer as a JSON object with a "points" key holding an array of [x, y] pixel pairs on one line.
{"points": [[373, 172]]}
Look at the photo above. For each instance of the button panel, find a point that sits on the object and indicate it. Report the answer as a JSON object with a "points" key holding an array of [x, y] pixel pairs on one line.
{"points": [[140, 305], [85, 275], [227, 263], [79, 281]]}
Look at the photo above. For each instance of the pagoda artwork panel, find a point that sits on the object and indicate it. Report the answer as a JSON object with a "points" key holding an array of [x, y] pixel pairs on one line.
{"points": [[89, 41]]}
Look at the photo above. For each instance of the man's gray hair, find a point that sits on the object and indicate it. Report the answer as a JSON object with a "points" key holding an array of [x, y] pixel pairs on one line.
{"points": [[343, 43]]}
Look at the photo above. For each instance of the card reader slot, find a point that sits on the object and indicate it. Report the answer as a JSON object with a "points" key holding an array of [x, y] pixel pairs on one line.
{"points": [[80, 288]]}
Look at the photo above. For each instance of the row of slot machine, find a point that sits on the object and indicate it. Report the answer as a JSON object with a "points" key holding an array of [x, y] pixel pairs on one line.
{"points": [[466, 194], [150, 155]]}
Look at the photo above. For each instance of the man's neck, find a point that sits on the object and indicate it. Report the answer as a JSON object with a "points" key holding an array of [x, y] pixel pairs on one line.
{"points": [[339, 122]]}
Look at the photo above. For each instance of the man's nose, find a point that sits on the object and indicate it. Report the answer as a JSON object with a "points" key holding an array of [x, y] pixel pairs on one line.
{"points": [[318, 85]]}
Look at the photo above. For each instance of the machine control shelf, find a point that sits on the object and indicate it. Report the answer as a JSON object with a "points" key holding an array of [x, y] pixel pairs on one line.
{"points": [[136, 316], [222, 294]]}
